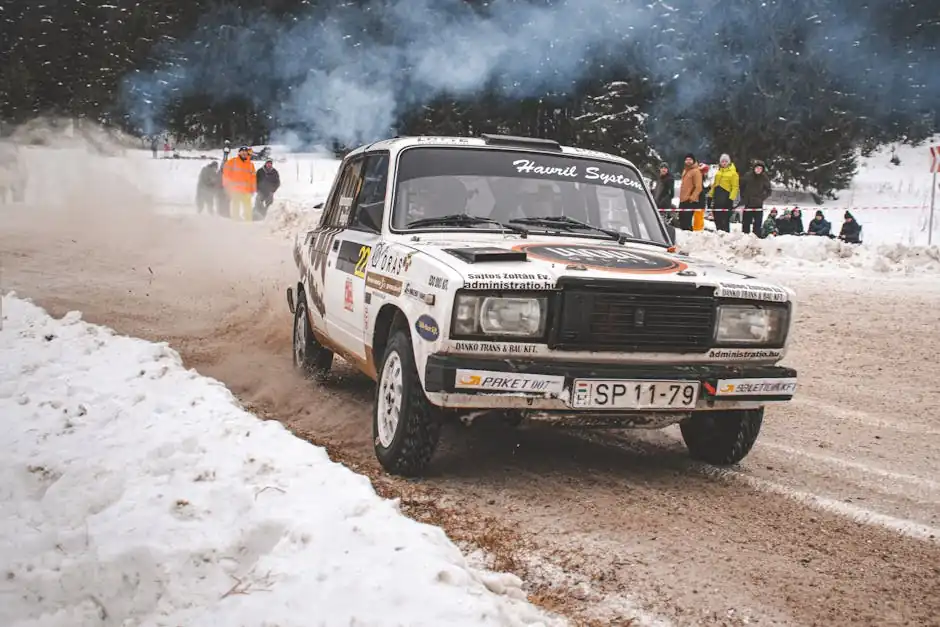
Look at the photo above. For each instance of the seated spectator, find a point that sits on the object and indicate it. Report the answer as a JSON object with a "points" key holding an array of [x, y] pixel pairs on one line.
{"points": [[770, 225], [796, 222], [819, 225], [784, 224], [851, 230]]}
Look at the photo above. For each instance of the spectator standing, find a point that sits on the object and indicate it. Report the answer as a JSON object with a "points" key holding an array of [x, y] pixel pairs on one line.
{"points": [[268, 181], [769, 227], [666, 190], [690, 191], [851, 230], [207, 189], [154, 146], [723, 193], [819, 225], [755, 189], [238, 179]]}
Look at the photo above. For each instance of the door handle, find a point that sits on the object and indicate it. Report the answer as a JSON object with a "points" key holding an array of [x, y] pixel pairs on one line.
{"points": [[335, 244]]}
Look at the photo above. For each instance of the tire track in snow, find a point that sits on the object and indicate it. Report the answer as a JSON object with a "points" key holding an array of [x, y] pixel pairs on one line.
{"points": [[926, 484], [903, 526], [863, 417]]}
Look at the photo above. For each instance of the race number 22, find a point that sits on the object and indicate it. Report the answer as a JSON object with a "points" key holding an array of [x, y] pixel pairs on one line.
{"points": [[360, 270]]}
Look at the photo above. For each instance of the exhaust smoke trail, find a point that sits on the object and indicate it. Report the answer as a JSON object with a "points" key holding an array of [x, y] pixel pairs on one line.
{"points": [[347, 74]]}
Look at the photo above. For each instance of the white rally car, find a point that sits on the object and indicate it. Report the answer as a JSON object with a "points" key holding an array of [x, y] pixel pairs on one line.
{"points": [[517, 277]]}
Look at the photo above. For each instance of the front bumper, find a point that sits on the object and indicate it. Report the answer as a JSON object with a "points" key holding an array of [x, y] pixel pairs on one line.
{"points": [[714, 379]]}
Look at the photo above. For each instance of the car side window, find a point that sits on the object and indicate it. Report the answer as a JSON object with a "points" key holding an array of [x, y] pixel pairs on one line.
{"points": [[336, 214], [370, 207]]}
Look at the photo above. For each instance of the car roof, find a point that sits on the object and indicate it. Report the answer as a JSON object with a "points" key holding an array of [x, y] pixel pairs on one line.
{"points": [[493, 142]]}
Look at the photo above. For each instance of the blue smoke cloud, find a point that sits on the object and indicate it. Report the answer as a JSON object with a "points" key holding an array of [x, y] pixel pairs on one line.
{"points": [[347, 74]]}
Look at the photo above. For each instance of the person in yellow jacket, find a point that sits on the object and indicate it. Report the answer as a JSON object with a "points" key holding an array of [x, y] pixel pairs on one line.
{"points": [[723, 193], [239, 182]]}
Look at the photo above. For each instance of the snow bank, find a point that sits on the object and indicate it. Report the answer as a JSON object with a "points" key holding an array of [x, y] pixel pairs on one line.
{"points": [[135, 491], [807, 253], [290, 219]]}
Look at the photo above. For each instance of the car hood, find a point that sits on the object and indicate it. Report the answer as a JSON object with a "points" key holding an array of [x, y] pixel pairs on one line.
{"points": [[541, 262]]}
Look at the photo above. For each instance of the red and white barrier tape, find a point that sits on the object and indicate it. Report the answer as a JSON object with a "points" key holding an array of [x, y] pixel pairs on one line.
{"points": [[803, 210]]}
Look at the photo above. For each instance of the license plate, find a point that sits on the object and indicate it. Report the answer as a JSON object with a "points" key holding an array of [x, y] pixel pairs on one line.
{"points": [[644, 394]]}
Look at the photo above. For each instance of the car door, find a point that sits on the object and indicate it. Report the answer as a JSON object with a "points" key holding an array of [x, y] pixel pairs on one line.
{"points": [[320, 242], [352, 248]]}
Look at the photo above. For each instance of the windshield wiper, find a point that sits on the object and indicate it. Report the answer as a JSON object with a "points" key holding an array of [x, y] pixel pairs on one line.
{"points": [[462, 219], [566, 223]]}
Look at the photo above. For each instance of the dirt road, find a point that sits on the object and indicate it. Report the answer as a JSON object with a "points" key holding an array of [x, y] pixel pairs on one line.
{"points": [[834, 519]]}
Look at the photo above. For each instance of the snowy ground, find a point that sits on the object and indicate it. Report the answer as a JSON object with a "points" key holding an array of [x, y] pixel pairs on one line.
{"points": [[136, 490], [901, 193], [872, 459]]}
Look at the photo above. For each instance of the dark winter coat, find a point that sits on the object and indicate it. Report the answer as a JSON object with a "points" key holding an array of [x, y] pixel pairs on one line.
{"points": [[819, 226], [666, 191], [796, 222], [268, 182], [209, 177], [851, 230], [784, 225], [755, 189]]}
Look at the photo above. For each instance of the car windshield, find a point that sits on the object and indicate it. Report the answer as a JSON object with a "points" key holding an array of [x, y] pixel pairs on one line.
{"points": [[505, 187]]}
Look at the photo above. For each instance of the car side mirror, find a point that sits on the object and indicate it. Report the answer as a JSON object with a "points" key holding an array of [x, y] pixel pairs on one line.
{"points": [[319, 205]]}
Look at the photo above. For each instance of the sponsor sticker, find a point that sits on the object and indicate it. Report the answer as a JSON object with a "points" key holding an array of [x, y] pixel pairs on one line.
{"points": [[751, 292], [501, 348], [575, 172], [509, 382], [383, 283], [587, 152], [508, 281], [385, 259], [427, 328], [348, 301], [454, 141], [437, 282], [756, 387], [414, 293], [744, 353], [605, 258]]}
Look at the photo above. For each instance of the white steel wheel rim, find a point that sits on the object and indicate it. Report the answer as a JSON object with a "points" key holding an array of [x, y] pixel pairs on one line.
{"points": [[389, 402], [300, 338]]}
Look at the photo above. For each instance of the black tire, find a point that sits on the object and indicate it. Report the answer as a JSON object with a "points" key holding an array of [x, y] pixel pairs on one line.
{"points": [[310, 357], [722, 438], [407, 447]]}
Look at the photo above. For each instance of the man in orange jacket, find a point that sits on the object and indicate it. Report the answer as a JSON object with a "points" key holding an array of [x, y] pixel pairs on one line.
{"points": [[238, 180], [689, 191]]}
